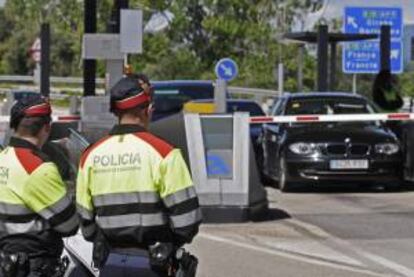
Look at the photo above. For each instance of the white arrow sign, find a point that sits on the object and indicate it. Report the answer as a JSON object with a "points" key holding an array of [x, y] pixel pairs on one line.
{"points": [[395, 54], [227, 70], [352, 21]]}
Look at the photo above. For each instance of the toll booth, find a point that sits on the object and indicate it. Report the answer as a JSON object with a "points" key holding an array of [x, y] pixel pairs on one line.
{"points": [[219, 152], [222, 162]]}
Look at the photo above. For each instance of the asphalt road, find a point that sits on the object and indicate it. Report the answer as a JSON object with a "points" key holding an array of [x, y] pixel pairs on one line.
{"points": [[317, 232]]}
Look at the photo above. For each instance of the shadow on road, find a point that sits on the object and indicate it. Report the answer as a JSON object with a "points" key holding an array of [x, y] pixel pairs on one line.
{"points": [[271, 215]]}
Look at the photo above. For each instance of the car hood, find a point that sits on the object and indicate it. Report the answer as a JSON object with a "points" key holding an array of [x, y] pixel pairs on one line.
{"points": [[340, 132]]}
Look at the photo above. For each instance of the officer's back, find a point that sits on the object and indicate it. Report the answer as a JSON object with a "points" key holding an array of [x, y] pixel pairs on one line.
{"points": [[134, 189], [35, 208]]}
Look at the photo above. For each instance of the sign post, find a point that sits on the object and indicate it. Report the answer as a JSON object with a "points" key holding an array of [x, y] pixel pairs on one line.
{"points": [[364, 57], [113, 48], [35, 54], [226, 70]]}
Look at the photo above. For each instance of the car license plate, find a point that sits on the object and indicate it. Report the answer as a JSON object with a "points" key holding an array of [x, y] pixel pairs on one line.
{"points": [[349, 164]]}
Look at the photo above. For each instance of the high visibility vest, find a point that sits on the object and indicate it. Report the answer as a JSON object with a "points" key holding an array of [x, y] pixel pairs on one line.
{"points": [[136, 189], [35, 208]]}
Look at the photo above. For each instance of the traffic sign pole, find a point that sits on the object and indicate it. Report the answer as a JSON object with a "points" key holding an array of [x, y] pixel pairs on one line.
{"points": [[89, 65], [220, 97], [45, 64], [385, 50], [226, 70], [322, 58]]}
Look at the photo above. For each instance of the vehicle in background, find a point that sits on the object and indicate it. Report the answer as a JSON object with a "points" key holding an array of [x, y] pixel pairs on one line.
{"points": [[170, 96], [331, 152], [15, 95]]}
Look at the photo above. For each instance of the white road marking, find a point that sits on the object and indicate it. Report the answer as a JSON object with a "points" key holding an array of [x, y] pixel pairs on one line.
{"points": [[286, 255], [394, 266]]}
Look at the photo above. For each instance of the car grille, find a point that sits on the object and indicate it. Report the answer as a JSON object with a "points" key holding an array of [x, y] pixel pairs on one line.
{"points": [[359, 149], [350, 150]]}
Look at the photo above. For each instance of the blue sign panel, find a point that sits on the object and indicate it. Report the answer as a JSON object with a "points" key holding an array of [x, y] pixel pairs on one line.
{"points": [[216, 165], [368, 20], [364, 56], [226, 69]]}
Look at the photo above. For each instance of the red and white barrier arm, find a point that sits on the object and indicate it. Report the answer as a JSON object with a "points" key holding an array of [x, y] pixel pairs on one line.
{"points": [[55, 118], [333, 118]]}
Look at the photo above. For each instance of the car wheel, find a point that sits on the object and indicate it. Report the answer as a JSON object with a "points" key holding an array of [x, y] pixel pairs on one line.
{"points": [[267, 181], [394, 187], [264, 178], [284, 185]]}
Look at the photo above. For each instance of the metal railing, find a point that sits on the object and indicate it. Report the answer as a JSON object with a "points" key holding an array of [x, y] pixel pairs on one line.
{"points": [[53, 79], [262, 96]]}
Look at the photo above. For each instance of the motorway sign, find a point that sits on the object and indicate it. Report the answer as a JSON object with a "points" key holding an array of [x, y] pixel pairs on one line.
{"points": [[226, 69], [364, 57], [368, 20]]}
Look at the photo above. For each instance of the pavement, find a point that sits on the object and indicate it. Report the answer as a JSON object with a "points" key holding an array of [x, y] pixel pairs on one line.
{"points": [[328, 233]]}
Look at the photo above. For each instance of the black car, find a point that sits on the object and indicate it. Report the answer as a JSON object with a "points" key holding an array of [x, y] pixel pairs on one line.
{"points": [[170, 96], [239, 105], [332, 152]]}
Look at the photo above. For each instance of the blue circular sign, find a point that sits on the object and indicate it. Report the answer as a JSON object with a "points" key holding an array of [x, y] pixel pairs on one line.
{"points": [[226, 69]]}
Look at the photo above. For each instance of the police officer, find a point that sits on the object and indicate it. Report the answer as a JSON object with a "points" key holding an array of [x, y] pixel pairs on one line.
{"points": [[35, 208], [133, 188]]}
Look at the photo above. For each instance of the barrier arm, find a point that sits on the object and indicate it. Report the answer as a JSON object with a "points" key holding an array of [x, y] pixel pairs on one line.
{"points": [[333, 118]]}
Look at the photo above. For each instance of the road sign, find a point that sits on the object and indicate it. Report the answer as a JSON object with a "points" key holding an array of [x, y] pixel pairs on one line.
{"points": [[226, 69], [131, 31], [364, 57], [102, 47], [368, 20], [35, 50]]}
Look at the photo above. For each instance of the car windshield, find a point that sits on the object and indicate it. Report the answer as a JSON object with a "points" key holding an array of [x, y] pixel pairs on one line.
{"points": [[308, 106], [329, 106], [252, 108], [170, 99], [19, 95]]}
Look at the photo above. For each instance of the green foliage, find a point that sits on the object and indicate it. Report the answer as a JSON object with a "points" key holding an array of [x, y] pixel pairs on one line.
{"points": [[202, 32]]}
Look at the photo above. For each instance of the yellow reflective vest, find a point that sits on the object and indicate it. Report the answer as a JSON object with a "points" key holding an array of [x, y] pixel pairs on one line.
{"points": [[35, 209], [136, 189]]}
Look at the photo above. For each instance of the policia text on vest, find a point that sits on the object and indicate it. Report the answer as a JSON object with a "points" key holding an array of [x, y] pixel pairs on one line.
{"points": [[134, 189]]}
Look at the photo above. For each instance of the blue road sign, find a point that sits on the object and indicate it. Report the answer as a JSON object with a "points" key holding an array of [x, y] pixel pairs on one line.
{"points": [[368, 20], [364, 56], [226, 69]]}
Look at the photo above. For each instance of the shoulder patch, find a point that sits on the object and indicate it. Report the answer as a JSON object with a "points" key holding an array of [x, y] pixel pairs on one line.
{"points": [[28, 159], [89, 149], [162, 147]]}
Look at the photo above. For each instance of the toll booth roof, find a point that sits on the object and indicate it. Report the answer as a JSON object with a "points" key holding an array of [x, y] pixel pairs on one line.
{"points": [[312, 37]]}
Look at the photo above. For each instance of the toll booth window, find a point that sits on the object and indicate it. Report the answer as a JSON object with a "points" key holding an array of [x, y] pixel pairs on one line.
{"points": [[218, 147]]}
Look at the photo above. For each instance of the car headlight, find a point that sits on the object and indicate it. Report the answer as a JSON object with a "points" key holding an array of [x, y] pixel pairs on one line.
{"points": [[387, 148], [302, 148]]}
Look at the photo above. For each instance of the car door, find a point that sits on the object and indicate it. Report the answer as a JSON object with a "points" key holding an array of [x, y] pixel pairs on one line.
{"points": [[272, 138]]}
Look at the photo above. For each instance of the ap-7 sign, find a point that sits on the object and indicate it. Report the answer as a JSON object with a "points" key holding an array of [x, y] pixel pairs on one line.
{"points": [[364, 56]]}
